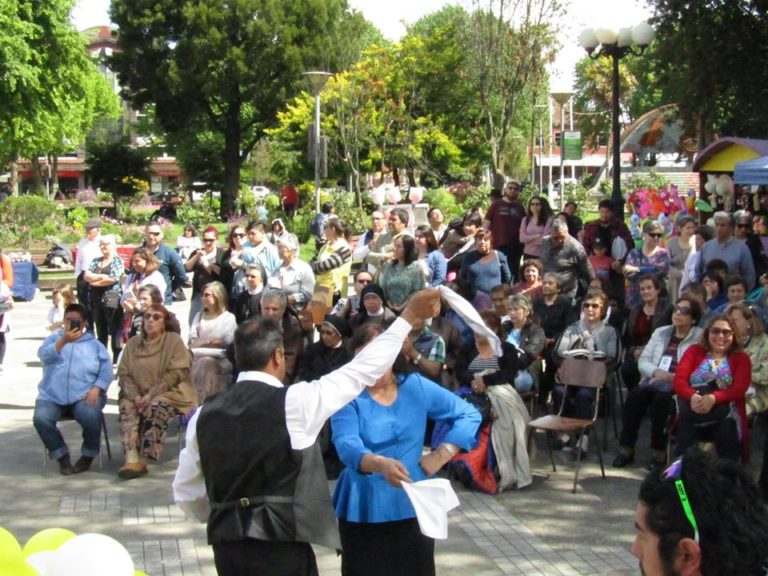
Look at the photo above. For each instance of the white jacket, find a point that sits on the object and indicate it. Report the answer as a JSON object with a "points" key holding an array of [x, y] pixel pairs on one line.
{"points": [[654, 350]]}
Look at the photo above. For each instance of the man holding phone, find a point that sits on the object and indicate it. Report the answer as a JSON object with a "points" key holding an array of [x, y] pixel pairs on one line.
{"points": [[77, 370]]}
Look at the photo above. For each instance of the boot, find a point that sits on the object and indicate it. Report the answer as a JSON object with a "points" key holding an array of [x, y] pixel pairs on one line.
{"points": [[658, 460], [65, 466], [83, 464], [624, 457]]}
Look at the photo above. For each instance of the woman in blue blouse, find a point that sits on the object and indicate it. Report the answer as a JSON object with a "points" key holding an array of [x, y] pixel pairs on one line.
{"points": [[379, 438], [485, 268], [432, 261]]}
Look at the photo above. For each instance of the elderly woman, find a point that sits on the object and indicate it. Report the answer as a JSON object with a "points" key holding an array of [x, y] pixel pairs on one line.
{"points": [[485, 267], [592, 334], [711, 381], [334, 260], [658, 362], [379, 438], [532, 272], [294, 277], [402, 276], [431, 260], [680, 247], [103, 276], [212, 331], [650, 259], [77, 372], [206, 264], [153, 377], [529, 339], [750, 327]]}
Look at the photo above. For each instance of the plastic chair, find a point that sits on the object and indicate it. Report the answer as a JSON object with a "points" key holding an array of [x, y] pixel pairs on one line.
{"points": [[70, 418], [557, 423]]}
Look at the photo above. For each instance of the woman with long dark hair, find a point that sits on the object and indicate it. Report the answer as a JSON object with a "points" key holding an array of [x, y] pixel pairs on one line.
{"points": [[432, 261], [536, 224], [402, 276]]}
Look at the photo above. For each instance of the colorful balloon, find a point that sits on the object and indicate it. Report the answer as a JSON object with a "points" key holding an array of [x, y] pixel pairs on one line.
{"points": [[9, 546], [41, 561], [91, 555], [16, 566], [393, 194], [377, 195], [415, 194], [48, 539]]}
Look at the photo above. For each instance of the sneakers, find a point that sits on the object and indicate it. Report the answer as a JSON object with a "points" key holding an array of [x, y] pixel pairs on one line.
{"points": [[83, 464], [132, 470], [65, 466], [625, 457]]}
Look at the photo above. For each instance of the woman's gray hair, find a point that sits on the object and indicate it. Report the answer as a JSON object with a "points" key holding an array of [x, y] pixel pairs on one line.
{"points": [[108, 239], [521, 301], [289, 241]]}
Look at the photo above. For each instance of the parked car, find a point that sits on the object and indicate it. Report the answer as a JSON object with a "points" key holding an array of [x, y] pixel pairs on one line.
{"points": [[260, 192]]}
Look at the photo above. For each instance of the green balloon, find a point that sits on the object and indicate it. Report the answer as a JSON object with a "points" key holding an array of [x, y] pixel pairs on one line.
{"points": [[47, 540], [9, 546], [16, 567]]}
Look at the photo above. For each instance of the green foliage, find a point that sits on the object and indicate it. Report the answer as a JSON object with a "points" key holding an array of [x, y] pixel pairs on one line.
{"points": [[29, 217], [200, 214], [441, 198], [117, 167], [77, 217], [272, 202]]}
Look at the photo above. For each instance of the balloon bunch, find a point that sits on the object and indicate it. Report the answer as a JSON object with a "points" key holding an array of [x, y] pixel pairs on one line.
{"points": [[394, 195], [61, 552], [652, 202]]}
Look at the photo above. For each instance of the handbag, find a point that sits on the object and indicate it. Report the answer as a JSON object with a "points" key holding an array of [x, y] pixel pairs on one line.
{"points": [[718, 413], [110, 299], [576, 370]]}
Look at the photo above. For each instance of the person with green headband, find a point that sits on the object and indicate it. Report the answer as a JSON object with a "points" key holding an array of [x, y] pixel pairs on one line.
{"points": [[701, 516]]}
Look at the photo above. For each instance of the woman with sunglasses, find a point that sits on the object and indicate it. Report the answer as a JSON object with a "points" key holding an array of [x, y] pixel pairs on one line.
{"points": [[232, 273], [536, 224], [650, 259], [657, 364], [710, 382], [755, 341], [153, 377], [206, 264], [591, 334]]}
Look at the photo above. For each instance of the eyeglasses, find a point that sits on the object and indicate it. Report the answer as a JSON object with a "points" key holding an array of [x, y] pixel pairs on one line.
{"points": [[154, 233], [239, 235], [742, 225], [153, 316], [727, 332], [674, 472], [363, 281], [684, 310], [655, 234], [590, 305], [206, 240]]}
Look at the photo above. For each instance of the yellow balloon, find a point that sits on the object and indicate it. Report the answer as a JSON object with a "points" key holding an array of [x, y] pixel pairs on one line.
{"points": [[9, 546], [137, 573], [47, 540], [16, 567]]}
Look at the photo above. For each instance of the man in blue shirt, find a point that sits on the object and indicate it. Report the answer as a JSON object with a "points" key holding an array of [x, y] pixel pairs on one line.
{"points": [[730, 250], [171, 266]]}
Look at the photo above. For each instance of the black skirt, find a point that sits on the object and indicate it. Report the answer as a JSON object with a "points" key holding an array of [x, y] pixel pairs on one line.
{"points": [[386, 549]]}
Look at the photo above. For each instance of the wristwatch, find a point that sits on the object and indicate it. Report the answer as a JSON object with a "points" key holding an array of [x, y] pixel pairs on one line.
{"points": [[417, 359]]}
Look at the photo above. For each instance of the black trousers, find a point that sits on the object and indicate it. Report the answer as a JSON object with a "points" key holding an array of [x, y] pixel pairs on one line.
{"points": [[262, 558], [724, 434], [385, 549], [659, 405], [764, 472], [107, 323], [630, 373], [514, 256]]}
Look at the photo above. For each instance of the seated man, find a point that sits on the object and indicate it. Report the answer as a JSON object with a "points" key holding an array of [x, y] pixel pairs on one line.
{"points": [[702, 516], [77, 371]]}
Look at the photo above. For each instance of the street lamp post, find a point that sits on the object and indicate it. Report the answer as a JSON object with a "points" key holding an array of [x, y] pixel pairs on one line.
{"points": [[616, 43], [317, 80]]}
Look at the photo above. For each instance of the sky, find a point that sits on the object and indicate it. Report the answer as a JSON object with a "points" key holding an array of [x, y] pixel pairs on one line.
{"points": [[389, 16]]}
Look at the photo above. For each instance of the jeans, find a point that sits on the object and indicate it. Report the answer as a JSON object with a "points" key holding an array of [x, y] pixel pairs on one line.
{"points": [[195, 306], [579, 403], [47, 414]]}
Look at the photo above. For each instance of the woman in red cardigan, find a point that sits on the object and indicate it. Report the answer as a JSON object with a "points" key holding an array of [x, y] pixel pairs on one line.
{"points": [[710, 382]]}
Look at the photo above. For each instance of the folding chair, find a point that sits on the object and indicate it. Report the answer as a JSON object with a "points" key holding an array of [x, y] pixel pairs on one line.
{"points": [[70, 418], [535, 368], [576, 373]]}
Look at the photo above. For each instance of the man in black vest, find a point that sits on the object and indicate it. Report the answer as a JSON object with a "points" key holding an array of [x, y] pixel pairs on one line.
{"points": [[251, 467]]}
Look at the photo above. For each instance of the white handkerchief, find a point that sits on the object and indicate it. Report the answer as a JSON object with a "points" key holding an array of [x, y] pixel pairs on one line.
{"points": [[432, 499], [471, 316]]}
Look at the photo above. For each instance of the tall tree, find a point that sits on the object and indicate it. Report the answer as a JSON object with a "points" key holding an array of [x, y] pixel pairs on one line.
{"points": [[51, 92], [224, 67], [512, 41], [711, 59]]}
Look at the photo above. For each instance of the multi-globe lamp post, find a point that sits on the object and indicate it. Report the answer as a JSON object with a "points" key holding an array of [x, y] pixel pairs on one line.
{"points": [[615, 43], [317, 80]]}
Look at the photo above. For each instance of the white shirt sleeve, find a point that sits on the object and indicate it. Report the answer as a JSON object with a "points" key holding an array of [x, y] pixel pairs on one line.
{"points": [[309, 404], [189, 485]]}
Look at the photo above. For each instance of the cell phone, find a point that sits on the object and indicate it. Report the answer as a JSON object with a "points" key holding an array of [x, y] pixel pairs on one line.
{"points": [[75, 325]]}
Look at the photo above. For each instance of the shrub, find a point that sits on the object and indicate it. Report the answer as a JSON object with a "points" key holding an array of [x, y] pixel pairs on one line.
{"points": [[24, 215], [441, 198], [272, 202]]}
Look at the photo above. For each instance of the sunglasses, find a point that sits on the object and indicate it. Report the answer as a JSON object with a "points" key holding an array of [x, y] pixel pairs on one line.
{"points": [[153, 316], [674, 472], [206, 240], [727, 332], [239, 235], [656, 235], [684, 310], [154, 233], [590, 305]]}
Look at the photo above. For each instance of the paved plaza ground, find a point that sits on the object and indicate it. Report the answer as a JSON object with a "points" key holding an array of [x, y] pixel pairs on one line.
{"points": [[543, 529]]}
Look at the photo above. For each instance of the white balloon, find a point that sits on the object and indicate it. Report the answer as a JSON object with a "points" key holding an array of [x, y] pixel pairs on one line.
{"points": [[41, 561], [91, 555]]}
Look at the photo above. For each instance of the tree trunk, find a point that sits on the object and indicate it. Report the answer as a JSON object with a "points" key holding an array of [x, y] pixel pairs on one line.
{"points": [[229, 194], [37, 180], [54, 160], [14, 181]]}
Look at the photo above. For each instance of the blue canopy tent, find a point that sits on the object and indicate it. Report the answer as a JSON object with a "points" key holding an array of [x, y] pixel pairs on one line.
{"points": [[753, 171]]}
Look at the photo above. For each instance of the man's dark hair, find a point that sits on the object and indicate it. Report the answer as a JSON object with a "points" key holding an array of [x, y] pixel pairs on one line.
{"points": [[705, 232], [734, 279], [730, 513], [715, 277], [256, 341], [606, 203], [327, 208], [78, 308], [257, 225], [717, 266], [401, 215]]}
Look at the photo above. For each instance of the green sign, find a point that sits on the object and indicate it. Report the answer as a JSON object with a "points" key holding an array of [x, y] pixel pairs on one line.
{"points": [[572, 145]]}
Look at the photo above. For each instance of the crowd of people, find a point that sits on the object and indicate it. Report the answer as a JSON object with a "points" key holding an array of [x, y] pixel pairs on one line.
{"points": [[682, 322]]}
